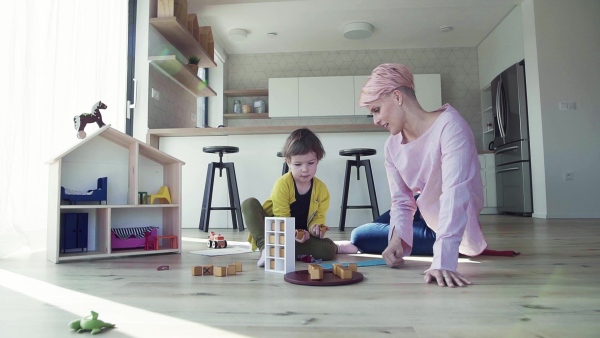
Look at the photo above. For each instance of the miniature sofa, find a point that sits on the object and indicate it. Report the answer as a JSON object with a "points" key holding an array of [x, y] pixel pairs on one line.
{"points": [[99, 194], [131, 238]]}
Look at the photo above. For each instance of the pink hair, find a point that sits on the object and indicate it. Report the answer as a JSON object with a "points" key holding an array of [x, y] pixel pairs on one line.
{"points": [[384, 79]]}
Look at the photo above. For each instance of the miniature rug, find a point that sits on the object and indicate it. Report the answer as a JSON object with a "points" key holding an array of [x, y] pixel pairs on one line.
{"points": [[222, 252]]}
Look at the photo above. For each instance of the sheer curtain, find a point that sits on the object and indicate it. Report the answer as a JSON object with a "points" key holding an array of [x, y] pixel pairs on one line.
{"points": [[59, 58]]}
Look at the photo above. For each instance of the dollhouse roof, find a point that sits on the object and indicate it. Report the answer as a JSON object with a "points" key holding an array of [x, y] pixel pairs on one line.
{"points": [[125, 141]]}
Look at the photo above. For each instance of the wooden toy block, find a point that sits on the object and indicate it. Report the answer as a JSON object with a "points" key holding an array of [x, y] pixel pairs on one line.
{"points": [[196, 271], [299, 234], [315, 271], [271, 239], [282, 252], [273, 226], [323, 228], [272, 251], [207, 270], [344, 273], [238, 266], [231, 270], [281, 226], [281, 239], [353, 267], [220, 271], [336, 268]]}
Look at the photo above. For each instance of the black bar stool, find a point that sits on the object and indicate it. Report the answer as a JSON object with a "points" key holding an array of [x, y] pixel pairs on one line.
{"points": [[234, 197], [358, 152], [285, 168]]}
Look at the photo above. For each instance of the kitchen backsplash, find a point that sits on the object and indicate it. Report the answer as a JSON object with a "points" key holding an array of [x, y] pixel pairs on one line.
{"points": [[175, 105], [458, 68]]}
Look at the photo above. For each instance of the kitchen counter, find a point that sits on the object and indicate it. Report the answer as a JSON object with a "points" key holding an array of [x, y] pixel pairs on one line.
{"points": [[153, 136]]}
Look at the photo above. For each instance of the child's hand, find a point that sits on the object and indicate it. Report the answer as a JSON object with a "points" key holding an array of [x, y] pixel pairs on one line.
{"points": [[319, 230], [302, 236]]}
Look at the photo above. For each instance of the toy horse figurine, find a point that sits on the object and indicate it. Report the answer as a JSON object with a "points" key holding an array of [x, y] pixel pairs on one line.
{"points": [[82, 120]]}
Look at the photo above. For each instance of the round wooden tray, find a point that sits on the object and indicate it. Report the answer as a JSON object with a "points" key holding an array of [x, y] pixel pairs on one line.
{"points": [[302, 277]]}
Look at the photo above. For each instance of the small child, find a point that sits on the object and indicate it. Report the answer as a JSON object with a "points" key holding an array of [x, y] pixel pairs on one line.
{"points": [[297, 194]]}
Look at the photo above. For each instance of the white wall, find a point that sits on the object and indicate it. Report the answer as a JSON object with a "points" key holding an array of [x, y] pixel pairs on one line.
{"points": [[561, 53]]}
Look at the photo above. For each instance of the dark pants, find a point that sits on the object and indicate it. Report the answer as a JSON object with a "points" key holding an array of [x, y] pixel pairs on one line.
{"points": [[373, 237]]}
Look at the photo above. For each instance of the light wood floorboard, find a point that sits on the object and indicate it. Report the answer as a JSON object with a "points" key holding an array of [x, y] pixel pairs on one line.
{"points": [[551, 290]]}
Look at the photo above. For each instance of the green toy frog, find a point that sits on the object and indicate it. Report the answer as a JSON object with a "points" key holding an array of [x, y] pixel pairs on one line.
{"points": [[86, 324]]}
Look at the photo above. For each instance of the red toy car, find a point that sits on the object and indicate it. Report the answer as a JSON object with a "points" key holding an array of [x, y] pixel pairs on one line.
{"points": [[217, 240]]}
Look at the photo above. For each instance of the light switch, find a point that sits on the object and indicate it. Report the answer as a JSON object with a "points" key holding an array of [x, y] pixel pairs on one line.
{"points": [[155, 94], [567, 105]]}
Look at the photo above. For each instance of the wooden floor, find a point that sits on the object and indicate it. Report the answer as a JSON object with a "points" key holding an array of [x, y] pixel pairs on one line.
{"points": [[551, 290]]}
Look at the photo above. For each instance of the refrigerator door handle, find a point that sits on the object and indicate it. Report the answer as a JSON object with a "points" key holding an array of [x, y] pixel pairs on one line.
{"points": [[499, 108], [507, 169], [506, 149]]}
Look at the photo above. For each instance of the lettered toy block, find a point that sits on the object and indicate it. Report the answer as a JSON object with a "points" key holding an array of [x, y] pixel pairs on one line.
{"points": [[238, 266], [231, 270], [207, 270]]}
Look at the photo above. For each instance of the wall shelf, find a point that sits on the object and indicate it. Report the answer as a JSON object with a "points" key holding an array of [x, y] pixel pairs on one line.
{"points": [[257, 116], [247, 92], [181, 75], [182, 40]]}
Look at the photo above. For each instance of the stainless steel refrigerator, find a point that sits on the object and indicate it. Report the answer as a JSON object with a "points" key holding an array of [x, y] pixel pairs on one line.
{"points": [[511, 141]]}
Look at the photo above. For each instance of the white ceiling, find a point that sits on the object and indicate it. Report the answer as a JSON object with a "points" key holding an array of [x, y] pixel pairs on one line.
{"points": [[317, 25]]}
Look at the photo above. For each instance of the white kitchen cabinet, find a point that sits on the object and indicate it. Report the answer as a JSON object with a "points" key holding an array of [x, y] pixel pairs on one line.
{"points": [[428, 89], [326, 96], [488, 176], [359, 83], [503, 47], [283, 97]]}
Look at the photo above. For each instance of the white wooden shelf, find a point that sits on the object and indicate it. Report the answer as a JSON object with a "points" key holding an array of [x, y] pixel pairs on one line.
{"points": [[246, 92], [247, 116], [181, 75], [182, 40]]}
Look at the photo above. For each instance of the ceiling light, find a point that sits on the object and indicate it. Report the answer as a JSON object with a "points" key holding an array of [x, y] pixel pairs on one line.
{"points": [[271, 34], [446, 29], [358, 30], [237, 34]]}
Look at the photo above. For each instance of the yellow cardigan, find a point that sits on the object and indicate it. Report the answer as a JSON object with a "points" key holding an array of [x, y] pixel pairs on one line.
{"points": [[284, 194]]}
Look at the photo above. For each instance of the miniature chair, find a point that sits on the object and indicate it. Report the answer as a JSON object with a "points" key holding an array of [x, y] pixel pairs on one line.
{"points": [[285, 168], [234, 197], [162, 194], [358, 152]]}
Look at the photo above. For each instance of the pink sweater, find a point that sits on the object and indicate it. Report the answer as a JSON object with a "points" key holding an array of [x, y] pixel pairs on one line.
{"points": [[442, 166]]}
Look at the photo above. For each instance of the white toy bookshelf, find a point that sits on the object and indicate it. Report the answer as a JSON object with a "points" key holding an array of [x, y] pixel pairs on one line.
{"points": [[280, 244]]}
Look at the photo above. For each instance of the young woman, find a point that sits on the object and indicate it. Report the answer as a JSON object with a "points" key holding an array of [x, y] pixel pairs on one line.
{"points": [[297, 194], [431, 154]]}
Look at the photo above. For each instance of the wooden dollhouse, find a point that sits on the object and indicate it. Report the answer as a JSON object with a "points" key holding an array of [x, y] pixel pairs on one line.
{"points": [[130, 166]]}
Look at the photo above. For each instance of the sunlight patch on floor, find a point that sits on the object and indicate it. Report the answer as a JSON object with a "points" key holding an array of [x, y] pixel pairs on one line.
{"points": [[129, 320]]}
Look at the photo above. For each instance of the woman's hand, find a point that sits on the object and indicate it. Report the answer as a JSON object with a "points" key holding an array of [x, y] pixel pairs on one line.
{"points": [[446, 278], [394, 253], [319, 230], [302, 236]]}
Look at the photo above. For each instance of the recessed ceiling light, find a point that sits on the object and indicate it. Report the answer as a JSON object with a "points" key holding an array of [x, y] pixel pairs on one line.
{"points": [[446, 29], [237, 34], [358, 30], [271, 34]]}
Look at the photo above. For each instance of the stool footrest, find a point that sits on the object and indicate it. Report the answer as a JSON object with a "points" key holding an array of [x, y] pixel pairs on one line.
{"points": [[359, 206], [223, 208]]}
